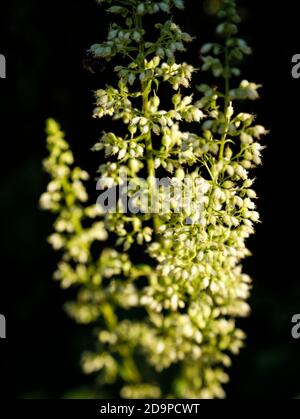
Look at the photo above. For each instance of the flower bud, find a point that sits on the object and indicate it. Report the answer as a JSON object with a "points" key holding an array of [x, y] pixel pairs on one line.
{"points": [[136, 36], [180, 174], [229, 112], [228, 184], [228, 153], [246, 139], [164, 7], [140, 9], [251, 193], [230, 170], [176, 99]]}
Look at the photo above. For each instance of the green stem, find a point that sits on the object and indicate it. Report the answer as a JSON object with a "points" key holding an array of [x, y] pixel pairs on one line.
{"points": [[226, 102], [227, 78], [152, 187], [146, 89]]}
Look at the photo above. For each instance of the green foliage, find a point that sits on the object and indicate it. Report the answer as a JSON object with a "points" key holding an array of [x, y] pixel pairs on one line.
{"points": [[177, 310]]}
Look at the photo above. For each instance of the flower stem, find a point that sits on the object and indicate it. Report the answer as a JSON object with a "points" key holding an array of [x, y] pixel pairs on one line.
{"points": [[151, 178], [226, 101]]}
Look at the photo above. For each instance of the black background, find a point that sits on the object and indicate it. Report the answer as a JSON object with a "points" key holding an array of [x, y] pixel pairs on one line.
{"points": [[44, 44]]}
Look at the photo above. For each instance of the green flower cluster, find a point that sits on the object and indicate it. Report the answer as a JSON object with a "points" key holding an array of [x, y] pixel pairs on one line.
{"points": [[176, 311]]}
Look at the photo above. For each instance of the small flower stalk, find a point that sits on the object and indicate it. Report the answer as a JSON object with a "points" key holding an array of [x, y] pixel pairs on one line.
{"points": [[166, 291]]}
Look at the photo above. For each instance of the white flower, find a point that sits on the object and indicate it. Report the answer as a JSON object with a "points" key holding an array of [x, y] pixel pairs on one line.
{"points": [[241, 172], [122, 153]]}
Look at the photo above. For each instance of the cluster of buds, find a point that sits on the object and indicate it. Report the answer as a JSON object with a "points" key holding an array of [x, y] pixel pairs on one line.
{"points": [[168, 289]]}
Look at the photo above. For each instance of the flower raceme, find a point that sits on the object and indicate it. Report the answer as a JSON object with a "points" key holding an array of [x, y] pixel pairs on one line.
{"points": [[172, 309]]}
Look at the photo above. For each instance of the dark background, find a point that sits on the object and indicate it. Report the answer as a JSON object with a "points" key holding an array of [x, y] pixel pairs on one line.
{"points": [[44, 44]]}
